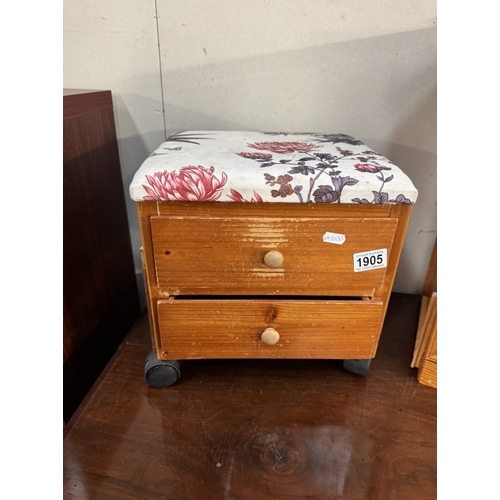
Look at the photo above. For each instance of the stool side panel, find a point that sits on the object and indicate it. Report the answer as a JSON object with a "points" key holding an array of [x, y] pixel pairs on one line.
{"points": [[144, 212], [402, 213]]}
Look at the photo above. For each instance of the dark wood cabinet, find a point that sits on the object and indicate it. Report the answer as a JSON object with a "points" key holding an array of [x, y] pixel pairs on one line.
{"points": [[100, 296]]}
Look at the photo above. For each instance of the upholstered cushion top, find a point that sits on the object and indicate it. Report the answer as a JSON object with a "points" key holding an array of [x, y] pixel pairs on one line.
{"points": [[229, 166]]}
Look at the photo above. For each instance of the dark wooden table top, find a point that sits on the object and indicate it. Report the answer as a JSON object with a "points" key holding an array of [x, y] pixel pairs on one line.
{"points": [[259, 429]]}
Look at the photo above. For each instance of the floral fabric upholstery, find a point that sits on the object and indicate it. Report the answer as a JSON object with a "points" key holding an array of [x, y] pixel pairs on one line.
{"points": [[228, 166]]}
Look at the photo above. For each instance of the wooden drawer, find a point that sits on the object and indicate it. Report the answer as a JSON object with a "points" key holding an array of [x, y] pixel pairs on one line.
{"points": [[232, 328], [225, 255]]}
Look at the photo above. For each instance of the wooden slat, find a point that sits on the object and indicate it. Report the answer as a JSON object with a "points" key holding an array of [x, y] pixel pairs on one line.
{"points": [[219, 209], [431, 348], [430, 283], [429, 329], [144, 212], [420, 329], [427, 373], [425, 350]]}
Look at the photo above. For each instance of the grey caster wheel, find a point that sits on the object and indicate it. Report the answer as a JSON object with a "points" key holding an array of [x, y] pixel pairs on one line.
{"points": [[357, 366], [160, 373]]}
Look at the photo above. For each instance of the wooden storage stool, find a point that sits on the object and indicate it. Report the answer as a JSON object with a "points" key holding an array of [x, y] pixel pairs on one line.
{"points": [[268, 245]]}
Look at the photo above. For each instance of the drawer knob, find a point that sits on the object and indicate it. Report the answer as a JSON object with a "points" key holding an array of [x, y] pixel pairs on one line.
{"points": [[274, 259], [270, 336]]}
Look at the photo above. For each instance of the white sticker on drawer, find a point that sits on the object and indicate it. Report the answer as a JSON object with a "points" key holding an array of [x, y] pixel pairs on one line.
{"points": [[365, 261], [336, 238]]}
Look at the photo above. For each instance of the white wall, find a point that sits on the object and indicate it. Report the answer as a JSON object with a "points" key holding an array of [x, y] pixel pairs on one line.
{"points": [[361, 67]]}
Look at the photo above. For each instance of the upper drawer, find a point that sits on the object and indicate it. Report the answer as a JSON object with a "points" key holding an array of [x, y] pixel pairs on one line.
{"points": [[217, 255]]}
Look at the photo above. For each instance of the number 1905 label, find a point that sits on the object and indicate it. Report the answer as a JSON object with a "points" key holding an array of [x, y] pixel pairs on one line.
{"points": [[375, 259]]}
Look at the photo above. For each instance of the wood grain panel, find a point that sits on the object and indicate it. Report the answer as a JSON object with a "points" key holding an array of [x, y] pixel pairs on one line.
{"points": [[101, 299], [216, 254], [84, 102], [230, 209], [430, 283], [232, 328]]}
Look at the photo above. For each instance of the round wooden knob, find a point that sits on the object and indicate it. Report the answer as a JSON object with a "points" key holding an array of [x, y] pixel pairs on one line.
{"points": [[274, 259], [270, 336]]}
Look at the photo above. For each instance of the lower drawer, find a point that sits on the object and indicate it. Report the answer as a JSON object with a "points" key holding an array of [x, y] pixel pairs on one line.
{"points": [[232, 328]]}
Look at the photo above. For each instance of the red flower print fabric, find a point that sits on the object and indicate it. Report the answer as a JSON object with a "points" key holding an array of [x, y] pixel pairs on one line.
{"points": [[192, 183], [277, 167]]}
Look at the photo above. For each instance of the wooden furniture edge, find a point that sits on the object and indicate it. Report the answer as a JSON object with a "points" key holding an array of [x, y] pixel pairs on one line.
{"points": [[85, 102]]}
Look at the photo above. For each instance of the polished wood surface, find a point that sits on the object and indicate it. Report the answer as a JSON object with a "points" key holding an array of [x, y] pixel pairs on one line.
{"points": [[101, 300], [259, 429], [83, 102], [341, 329]]}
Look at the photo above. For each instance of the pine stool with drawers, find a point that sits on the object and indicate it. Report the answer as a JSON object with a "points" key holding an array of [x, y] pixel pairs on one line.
{"points": [[268, 245]]}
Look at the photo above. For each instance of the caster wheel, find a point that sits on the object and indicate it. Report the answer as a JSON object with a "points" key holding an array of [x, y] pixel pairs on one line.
{"points": [[357, 366], [160, 373]]}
